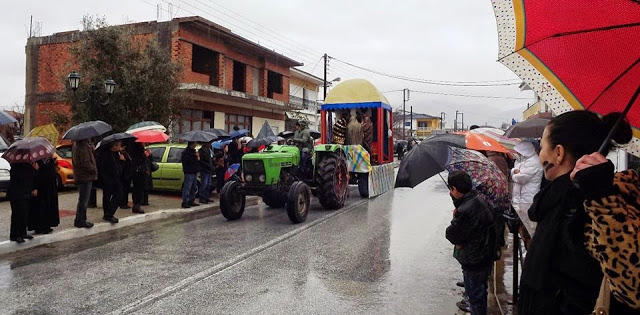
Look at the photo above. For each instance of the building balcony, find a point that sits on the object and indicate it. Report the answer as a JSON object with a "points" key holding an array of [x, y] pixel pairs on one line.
{"points": [[300, 103], [218, 95]]}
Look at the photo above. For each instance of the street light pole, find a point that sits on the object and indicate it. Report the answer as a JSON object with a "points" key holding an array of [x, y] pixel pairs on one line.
{"points": [[442, 115], [94, 110], [405, 98]]}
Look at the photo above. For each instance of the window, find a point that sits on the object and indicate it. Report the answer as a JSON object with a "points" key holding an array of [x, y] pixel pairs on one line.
{"points": [[274, 83], [239, 76], [422, 124], [231, 120], [205, 61], [157, 154], [194, 119], [65, 152], [175, 155]]}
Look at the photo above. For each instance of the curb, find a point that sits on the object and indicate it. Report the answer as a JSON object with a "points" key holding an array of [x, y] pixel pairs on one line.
{"points": [[7, 247]]}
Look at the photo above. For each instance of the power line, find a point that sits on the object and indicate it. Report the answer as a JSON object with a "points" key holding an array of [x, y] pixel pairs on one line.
{"points": [[474, 96], [425, 81]]}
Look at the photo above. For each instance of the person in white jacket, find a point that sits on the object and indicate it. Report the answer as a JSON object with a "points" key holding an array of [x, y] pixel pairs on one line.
{"points": [[526, 174]]}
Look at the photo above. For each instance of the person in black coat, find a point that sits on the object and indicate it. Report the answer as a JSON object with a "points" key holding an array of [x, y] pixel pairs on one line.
{"points": [[190, 167], [471, 231], [110, 170], [149, 183], [126, 177], [206, 170], [139, 172], [44, 212], [22, 188], [559, 275]]}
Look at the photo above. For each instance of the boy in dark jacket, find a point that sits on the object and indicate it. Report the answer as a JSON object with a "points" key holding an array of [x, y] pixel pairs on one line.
{"points": [[190, 167], [470, 232]]}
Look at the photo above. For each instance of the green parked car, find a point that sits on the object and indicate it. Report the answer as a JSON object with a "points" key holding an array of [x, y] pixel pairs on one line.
{"points": [[169, 176]]}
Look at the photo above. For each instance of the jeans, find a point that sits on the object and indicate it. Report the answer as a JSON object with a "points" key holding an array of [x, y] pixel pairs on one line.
{"points": [[205, 185], [84, 190], [189, 189], [475, 286]]}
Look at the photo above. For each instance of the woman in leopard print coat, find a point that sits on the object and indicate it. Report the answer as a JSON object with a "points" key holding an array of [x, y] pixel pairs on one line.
{"points": [[613, 203]]}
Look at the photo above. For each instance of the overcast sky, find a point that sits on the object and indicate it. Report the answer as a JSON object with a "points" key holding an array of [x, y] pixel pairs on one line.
{"points": [[452, 40]]}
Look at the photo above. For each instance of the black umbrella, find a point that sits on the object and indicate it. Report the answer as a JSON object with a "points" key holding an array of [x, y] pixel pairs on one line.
{"points": [[530, 128], [422, 162], [115, 137], [447, 139], [87, 130], [197, 136], [315, 135], [286, 134], [256, 143], [217, 132]]}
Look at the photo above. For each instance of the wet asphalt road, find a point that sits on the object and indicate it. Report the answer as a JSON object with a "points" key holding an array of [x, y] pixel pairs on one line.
{"points": [[385, 255]]}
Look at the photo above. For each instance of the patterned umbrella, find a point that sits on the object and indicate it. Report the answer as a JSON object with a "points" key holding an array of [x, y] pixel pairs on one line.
{"points": [[576, 55], [231, 171], [29, 150], [487, 178]]}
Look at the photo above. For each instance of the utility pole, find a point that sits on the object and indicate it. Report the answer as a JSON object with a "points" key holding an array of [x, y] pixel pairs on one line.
{"points": [[405, 98], [442, 115], [455, 123], [411, 125], [325, 77]]}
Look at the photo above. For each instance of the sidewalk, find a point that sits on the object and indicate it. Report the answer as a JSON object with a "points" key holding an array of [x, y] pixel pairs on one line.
{"points": [[162, 205]]}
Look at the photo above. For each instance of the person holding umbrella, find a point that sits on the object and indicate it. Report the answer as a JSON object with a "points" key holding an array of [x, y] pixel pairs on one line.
{"points": [[559, 274], [85, 172], [206, 169], [44, 212], [22, 188], [139, 173], [110, 160], [23, 156], [190, 166], [471, 233]]}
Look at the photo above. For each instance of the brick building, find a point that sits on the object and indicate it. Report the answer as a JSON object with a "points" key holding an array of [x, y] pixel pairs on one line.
{"points": [[232, 80]]}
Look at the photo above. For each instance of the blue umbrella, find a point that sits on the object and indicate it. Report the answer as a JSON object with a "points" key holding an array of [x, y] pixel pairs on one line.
{"points": [[6, 119], [219, 145], [238, 133]]}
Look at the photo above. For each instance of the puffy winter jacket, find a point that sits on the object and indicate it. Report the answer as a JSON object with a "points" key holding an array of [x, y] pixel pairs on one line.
{"points": [[526, 183], [471, 232]]}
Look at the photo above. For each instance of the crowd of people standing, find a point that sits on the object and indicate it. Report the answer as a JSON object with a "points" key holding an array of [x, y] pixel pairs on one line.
{"points": [[117, 168], [585, 249]]}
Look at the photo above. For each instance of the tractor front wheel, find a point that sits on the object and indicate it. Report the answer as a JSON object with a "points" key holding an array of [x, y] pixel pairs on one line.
{"points": [[232, 201], [332, 181], [298, 202], [363, 185]]}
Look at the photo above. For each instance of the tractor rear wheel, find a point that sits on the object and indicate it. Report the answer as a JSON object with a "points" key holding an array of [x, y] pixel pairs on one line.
{"points": [[232, 201], [332, 181], [273, 199], [298, 202]]}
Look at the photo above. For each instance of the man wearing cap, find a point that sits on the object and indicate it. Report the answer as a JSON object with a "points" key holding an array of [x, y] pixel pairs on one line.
{"points": [[302, 138]]}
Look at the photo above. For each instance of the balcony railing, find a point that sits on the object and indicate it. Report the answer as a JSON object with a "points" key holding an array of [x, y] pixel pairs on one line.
{"points": [[298, 102], [425, 129]]}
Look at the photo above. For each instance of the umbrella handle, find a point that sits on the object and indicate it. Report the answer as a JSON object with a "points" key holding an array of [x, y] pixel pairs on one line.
{"points": [[603, 148]]}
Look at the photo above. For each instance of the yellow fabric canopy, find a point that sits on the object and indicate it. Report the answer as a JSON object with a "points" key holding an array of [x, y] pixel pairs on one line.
{"points": [[356, 91]]}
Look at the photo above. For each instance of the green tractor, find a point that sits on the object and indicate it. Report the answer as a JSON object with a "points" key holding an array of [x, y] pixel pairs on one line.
{"points": [[283, 178]]}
